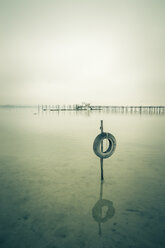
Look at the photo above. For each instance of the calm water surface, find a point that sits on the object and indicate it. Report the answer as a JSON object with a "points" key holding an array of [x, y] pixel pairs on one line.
{"points": [[50, 190]]}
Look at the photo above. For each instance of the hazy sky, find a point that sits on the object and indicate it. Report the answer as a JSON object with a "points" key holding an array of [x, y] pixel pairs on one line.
{"points": [[69, 51]]}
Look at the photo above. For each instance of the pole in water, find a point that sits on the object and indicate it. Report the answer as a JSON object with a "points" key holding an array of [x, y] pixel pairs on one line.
{"points": [[101, 159], [101, 165], [101, 196]]}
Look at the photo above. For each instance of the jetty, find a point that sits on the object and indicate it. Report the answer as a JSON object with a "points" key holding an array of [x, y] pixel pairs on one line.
{"points": [[112, 109]]}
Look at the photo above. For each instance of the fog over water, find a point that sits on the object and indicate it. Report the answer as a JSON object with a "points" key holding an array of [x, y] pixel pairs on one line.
{"points": [[59, 53]]}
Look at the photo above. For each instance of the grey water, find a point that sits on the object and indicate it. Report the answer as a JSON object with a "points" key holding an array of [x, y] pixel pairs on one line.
{"points": [[50, 190]]}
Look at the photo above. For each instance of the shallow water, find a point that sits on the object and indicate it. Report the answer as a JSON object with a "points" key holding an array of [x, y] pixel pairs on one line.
{"points": [[50, 189]]}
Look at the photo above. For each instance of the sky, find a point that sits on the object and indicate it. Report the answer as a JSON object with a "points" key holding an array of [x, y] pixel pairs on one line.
{"points": [[108, 52]]}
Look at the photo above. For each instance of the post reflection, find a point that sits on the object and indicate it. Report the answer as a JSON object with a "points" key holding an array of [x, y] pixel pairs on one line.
{"points": [[103, 210]]}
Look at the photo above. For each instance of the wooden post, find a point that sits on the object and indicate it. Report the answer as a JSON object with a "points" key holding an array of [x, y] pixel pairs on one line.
{"points": [[101, 159], [101, 190]]}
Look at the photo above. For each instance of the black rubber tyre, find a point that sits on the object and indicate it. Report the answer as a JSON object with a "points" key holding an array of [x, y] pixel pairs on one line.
{"points": [[97, 145]]}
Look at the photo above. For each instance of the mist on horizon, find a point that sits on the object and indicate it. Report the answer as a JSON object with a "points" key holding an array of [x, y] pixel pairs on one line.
{"points": [[67, 51]]}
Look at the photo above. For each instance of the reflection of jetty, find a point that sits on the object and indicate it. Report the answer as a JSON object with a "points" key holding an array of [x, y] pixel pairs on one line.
{"points": [[111, 109]]}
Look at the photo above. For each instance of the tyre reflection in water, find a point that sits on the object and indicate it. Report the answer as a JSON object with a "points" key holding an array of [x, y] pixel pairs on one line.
{"points": [[98, 214]]}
